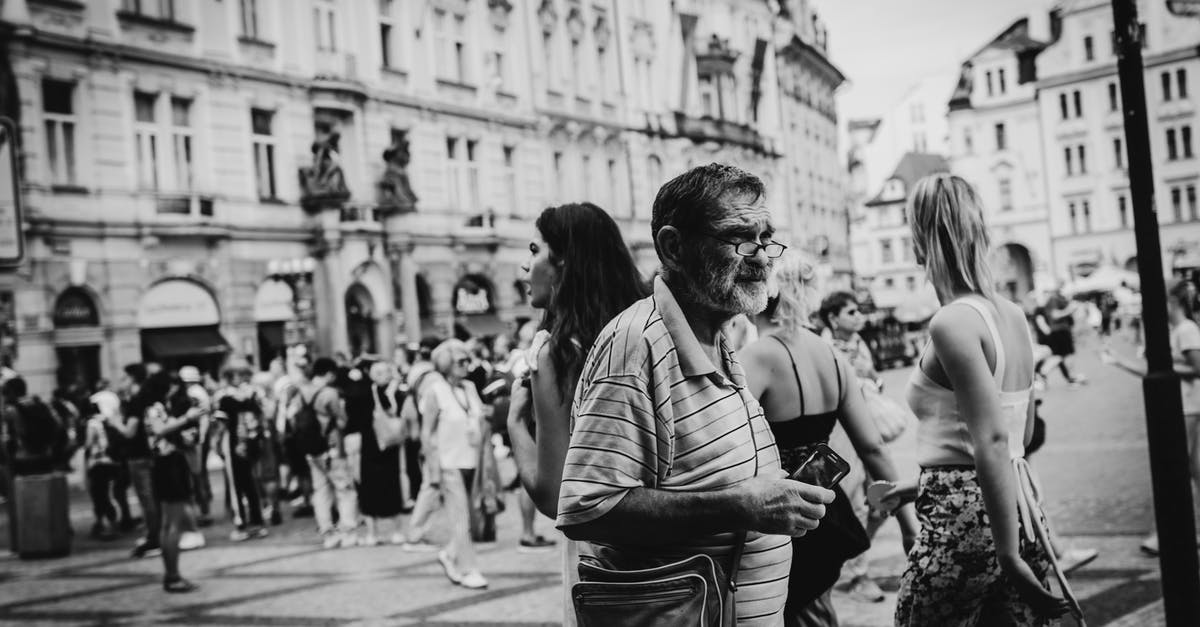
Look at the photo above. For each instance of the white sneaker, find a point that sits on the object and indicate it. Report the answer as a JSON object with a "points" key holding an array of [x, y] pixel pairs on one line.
{"points": [[474, 581], [191, 540], [449, 568], [332, 541], [349, 540]]}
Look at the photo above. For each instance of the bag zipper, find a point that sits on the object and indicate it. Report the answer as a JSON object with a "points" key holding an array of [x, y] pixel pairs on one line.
{"points": [[625, 596]]}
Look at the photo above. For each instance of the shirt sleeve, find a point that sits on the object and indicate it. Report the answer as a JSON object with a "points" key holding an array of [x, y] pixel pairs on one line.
{"points": [[618, 444], [1189, 337]]}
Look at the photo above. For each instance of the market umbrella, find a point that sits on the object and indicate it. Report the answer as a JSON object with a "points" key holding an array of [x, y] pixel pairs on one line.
{"points": [[1104, 279]]}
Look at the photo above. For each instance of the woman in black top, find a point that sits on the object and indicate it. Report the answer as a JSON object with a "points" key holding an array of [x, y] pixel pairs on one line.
{"points": [[379, 496], [805, 391]]}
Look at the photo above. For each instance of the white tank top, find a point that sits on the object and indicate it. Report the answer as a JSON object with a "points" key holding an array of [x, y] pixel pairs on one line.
{"points": [[942, 436]]}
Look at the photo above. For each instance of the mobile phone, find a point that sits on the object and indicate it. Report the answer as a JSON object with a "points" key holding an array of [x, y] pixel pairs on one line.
{"points": [[823, 467]]}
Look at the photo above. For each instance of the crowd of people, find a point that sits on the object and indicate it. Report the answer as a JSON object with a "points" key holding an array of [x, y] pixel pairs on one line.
{"points": [[654, 421]]}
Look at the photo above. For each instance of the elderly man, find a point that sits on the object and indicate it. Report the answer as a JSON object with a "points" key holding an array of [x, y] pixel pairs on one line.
{"points": [[670, 454]]}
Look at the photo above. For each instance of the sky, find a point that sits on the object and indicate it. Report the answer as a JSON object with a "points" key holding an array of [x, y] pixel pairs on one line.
{"points": [[886, 46]]}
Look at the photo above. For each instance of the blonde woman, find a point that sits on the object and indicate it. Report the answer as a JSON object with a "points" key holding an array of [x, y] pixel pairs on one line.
{"points": [[972, 393], [791, 368], [451, 430]]}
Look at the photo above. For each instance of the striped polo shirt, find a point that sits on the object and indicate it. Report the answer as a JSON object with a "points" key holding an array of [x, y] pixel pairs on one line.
{"points": [[651, 410]]}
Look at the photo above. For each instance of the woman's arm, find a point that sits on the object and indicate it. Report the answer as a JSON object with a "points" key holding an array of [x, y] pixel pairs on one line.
{"points": [[540, 459], [868, 444], [958, 345], [429, 418]]}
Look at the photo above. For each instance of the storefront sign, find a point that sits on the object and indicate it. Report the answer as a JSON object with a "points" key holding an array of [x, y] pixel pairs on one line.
{"points": [[273, 302], [472, 296], [177, 303], [75, 308]]}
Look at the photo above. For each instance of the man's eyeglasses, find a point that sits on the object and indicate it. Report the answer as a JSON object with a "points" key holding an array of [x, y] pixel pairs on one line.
{"points": [[750, 248]]}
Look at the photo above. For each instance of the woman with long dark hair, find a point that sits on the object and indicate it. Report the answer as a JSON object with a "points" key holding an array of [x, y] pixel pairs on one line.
{"points": [[581, 274]]}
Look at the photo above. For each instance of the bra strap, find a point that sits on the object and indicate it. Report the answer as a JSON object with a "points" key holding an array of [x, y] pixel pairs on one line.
{"points": [[795, 371]]}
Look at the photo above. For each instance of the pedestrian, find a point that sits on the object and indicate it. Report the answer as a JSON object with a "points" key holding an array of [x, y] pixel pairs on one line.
{"points": [[580, 274], [971, 392], [670, 455], [320, 407], [842, 315], [379, 494], [36, 436], [198, 455], [791, 367], [1055, 320], [139, 457], [105, 397], [1185, 354], [295, 479], [451, 431], [171, 477], [101, 461], [267, 471], [410, 412], [239, 409]]}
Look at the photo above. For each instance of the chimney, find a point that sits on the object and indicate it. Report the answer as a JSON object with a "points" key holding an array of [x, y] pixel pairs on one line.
{"points": [[1039, 25]]}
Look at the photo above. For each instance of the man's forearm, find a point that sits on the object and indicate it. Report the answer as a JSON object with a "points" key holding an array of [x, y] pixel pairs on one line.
{"points": [[652, 517]]}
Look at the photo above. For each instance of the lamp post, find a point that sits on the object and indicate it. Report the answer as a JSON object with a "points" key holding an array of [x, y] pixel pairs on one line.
{"points": [[1165, 429], [298, 332]]}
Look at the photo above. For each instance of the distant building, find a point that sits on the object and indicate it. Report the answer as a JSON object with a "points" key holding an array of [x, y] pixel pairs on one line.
{"points": [[203, 178], [995, 144], [884, 260]]}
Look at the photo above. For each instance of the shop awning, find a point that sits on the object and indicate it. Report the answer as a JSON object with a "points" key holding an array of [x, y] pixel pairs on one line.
{"points": [[483, 325], [184, 342]]}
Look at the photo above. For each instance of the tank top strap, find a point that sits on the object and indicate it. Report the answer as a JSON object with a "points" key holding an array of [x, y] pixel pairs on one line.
{"points": [[990, 320]]}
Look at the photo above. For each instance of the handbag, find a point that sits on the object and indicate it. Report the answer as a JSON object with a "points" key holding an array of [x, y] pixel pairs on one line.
{"points": [[890, 417], [692, 591], [389, 430]]}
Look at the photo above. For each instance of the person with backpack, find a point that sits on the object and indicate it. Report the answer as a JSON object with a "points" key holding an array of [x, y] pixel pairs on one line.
{"points": [[320, 427], [239, 409], [36, 438]]}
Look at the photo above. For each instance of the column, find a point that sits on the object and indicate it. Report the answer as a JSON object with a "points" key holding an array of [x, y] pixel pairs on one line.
{"points": [[407, 268]]}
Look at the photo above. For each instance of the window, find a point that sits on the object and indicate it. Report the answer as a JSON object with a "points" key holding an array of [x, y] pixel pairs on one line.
{"points": [[1062, 105], [1078, 103], [263, 141], [146, 137], [510, 180], [889, 282], [611, 184], [386, 27], [472, 178], [558, 176], [1087, 216], [1089, 53], [1113, 102], [449, 34], [1177, 203], [1000, 79], [1118, 153], [654, 169], [325, 25], [1185, 137], [906, 247], [1123, 210], [1074, 221], [1001, 144], [463, 172], [249, 11], [1067, 154], [181, 142], [58, 116], [1181, 82], [459, 47], [910, 282], [1166, 86], [498, 68], [1006, 195], [708, 97], [1172, 149], [1191, 202], [585, 175], [551, 63], [161, 9], [887, 255], [1082, 159], [577, 66], [602, 72], [989, 83]]}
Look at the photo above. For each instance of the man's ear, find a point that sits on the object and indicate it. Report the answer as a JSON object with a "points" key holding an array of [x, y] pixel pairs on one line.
{"points": [[670, 245]]}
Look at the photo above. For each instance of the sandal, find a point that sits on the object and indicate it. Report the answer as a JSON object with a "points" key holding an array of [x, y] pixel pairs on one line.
{"points": [[178, 586]]}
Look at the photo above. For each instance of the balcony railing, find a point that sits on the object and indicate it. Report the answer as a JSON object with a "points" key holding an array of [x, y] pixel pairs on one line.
{"points": [[193, 205], [359, 213], [724, 131]]}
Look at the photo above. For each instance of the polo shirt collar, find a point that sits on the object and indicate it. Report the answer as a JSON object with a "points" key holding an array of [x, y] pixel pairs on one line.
{"points": [[693, 362]]}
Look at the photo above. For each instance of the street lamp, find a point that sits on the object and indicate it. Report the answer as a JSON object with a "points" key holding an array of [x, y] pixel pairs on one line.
{"points": [[1165, 430]]}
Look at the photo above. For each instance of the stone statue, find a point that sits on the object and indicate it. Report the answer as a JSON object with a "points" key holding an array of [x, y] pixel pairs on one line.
{"points": [[395, 192], [324, 180]]}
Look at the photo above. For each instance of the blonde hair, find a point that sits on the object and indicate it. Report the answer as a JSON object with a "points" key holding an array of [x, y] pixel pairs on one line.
{"points": [[949, 235], [443, 356], [793, 284]]}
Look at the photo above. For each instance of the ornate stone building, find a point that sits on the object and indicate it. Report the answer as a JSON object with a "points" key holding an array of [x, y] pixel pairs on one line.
{"points": [[225, 176]]}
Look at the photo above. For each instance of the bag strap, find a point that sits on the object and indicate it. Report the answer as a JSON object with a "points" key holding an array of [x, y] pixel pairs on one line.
{"points": [[736, 561], [795, 372]]}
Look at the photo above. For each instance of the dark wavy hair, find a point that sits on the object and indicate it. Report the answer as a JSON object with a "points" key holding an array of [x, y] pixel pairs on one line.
{"points": [[597, 280], [833, 305]]}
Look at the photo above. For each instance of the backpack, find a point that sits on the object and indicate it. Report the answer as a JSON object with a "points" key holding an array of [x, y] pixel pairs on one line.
{"points": [[41, 431], [309, 437]]}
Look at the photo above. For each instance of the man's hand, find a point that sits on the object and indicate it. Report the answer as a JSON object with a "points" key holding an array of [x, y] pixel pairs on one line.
{"points": [[784, 506]]}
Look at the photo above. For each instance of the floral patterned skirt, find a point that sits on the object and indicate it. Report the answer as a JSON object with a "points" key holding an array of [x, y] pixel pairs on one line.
{"points": [[953, 575]]}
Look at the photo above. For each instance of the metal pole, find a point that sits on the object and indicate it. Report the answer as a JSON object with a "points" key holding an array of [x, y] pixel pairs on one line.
{"points": [[1165, 429]]}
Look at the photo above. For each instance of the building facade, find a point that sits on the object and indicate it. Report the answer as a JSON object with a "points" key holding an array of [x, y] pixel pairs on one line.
{"points": [[210, 177], [1079, 100], [996, 145]]}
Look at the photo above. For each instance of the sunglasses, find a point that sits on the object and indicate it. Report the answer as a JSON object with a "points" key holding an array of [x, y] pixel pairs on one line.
{"points": [[465, 361]]}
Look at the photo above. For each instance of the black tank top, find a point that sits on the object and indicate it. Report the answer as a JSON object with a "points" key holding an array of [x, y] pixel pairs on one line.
{"points": [[796, 437]]}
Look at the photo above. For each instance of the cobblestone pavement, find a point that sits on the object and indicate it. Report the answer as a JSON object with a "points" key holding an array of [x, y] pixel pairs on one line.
{"points": [[1094, 468]]}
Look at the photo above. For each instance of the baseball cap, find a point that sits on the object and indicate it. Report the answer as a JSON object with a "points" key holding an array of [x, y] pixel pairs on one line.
{"points": [[189, 374]]}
